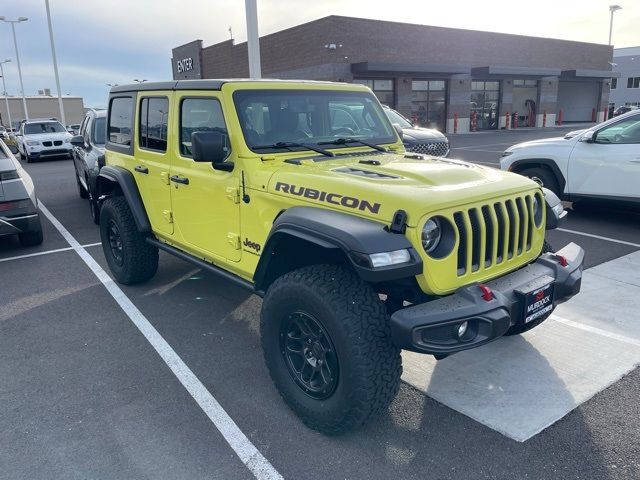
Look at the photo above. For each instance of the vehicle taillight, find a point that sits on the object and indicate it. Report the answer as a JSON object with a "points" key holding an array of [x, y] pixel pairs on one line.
{"points": [[15, 205]]}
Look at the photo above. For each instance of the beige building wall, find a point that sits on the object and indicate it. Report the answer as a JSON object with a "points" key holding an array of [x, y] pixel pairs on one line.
{"points": [[42, 107]]}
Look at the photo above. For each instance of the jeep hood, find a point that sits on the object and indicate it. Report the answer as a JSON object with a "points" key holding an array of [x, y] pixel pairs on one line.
{"points": [[378, 185]]}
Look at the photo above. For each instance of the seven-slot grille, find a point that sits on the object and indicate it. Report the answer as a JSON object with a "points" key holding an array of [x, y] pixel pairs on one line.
{"points": [[435, 149], [494, 233]]}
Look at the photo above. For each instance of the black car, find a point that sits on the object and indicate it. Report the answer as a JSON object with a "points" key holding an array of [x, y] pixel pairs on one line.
{"points": [[88, 156], [417, 139], [622, 109]]}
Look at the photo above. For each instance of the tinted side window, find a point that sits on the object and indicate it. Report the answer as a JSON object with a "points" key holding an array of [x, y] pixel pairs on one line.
{"points": [[99, 130], [154, 114], [199, 115], [121, 120]]}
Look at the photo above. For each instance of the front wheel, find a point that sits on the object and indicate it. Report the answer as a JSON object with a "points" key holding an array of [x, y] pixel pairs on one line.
{"points": [[327, 345], [544, 178], [131, 259]]}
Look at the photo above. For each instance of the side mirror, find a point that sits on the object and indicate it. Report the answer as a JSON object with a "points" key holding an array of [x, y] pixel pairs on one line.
{"points": [[13, 149], [589, 137], [211, 147], [77, 141], [398, 129]]}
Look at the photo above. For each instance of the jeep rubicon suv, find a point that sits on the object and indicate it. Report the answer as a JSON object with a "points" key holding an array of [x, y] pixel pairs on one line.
{"points": [[358, 249]]}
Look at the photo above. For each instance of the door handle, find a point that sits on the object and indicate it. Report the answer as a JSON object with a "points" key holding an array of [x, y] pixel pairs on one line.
{"points": [[178, 179], [142, 169]]}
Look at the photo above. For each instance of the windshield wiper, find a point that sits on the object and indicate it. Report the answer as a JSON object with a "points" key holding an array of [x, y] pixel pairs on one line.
{"points": [[344, 141], [296, 144]]}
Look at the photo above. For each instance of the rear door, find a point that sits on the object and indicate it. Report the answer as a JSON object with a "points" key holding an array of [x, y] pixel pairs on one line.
{"points": [[609, 166], [205, 202], [152, 157]]}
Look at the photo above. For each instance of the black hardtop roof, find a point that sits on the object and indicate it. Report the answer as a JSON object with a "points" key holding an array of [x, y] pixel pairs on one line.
{"points": [[203, 84]]}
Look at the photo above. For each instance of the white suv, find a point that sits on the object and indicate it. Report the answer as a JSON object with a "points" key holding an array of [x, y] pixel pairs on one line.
{"points": [[601, 162], [43, 138]]}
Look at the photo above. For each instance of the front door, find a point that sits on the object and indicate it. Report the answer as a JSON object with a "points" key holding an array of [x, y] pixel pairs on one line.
{"points": [[152, 159], [610, 165], [205, 202]]}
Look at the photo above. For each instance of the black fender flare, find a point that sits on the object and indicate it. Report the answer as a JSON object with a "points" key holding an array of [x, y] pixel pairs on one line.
{"points": [[520, 165], [355, 237], [112, 176]]}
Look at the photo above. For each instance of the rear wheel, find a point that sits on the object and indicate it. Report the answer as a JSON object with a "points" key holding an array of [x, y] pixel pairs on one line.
{"points": [[543, 177], [327, 345], [131, 259]]}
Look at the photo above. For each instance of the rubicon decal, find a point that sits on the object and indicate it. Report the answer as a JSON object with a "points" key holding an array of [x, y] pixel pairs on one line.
{"points": [[333, 198]]}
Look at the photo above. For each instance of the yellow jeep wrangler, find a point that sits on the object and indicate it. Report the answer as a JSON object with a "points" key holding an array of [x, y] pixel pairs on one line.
{"points": [[302, 193]]}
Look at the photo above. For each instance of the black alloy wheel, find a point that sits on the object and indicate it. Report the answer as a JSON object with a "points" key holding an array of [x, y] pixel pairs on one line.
{"points": [[115, 243], [309, 355]]}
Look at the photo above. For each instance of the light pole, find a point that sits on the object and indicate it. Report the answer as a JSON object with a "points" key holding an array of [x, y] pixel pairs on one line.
{"points": [[612, 9], [253, 40], [15, 44], [139, 81], [55, 64], [4, 88]]}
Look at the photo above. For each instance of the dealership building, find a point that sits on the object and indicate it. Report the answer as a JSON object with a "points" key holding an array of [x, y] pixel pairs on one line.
{"points": [[451, 79], [41, 106], [625, 90]]}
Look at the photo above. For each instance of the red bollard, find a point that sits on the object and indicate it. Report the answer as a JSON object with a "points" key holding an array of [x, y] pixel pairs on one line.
{"points": [[455, 123], [593, 115], [474, 121], [507, 121], [515, 119], [559, 121], [544, 119]]}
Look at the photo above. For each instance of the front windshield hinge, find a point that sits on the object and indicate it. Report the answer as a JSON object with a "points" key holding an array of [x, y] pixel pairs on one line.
{"points": [[399, 222]]}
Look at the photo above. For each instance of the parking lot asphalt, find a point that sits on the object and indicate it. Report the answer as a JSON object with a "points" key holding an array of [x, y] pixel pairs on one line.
{"points": [[85, 395]]}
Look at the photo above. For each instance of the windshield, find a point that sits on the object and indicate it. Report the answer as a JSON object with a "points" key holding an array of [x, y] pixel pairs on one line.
{"points": [[100, 130], [269, 117], [43, 127], [395, 117]]}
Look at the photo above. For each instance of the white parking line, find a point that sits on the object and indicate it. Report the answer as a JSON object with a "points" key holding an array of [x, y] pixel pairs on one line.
{"points": [[238, 441], [599, 237], [47, 252], [597, 331]]}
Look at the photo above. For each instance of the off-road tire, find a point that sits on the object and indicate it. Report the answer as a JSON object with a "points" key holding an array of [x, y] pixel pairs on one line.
{"points": [[139, 260], [518, 329], [82, 192], [30, 239], [355, 319], [543, 176]]}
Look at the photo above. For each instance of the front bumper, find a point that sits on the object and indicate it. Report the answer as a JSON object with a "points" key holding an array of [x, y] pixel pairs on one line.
{"points": [[55, 151], [432, 327]]}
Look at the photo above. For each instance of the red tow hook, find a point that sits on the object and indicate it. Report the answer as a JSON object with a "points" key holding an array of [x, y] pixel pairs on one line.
{"points": [[562, 260], [487, 293]]}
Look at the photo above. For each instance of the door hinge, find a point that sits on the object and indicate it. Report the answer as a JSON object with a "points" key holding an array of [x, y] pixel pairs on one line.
{"points": [[234, 240], [168, 215], [165, 177], [233, 194]]}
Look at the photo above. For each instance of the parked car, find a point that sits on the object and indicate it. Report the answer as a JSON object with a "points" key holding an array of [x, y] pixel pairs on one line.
{"points": [[302, 194], [602, 162], [418, 139], [18, 202], [38, 139], [623, 109], [88, 157]]}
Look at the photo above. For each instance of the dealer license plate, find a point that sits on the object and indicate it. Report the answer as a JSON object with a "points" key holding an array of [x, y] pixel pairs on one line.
{"points": [[538, 303]]}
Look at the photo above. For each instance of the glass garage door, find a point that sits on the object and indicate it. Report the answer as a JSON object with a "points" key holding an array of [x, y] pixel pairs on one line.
{"points": [[428, 103], [382, 88], [484, 104]]}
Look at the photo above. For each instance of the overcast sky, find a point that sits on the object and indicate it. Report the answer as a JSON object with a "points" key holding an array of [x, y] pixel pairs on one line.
{"points": [[115, 41]]}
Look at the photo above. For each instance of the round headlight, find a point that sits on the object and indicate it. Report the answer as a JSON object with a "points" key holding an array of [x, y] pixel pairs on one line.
{"points": [[431, 234]]}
